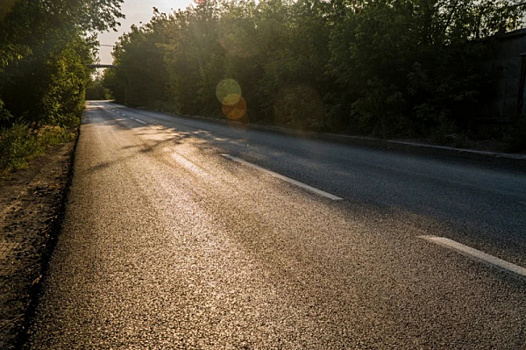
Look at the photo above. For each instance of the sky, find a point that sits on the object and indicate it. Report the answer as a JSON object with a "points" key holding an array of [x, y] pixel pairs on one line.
{"points": [[136, 11]]}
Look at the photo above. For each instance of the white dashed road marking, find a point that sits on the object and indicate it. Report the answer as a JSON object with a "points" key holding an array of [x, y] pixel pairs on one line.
{"points": [[140, 121], [284, 178], [476, 254]]}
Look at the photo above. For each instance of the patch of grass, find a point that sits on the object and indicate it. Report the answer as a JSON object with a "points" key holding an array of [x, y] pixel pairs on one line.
{"points": [[21, 142]]}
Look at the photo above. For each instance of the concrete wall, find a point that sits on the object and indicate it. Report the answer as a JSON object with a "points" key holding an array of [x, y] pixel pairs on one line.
{"points": [[506, 68]]}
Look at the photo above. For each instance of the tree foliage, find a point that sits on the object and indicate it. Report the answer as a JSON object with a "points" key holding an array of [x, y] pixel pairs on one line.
{"points": [[45, 46], [384, 67]]}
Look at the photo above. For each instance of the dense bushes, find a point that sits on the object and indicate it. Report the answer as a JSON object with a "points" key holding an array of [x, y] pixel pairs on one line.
{"points": [[96, 90], [44, 53], [385, 67], [20, 142]]}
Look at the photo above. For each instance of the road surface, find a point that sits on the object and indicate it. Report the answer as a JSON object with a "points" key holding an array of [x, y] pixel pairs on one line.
{"points": [[182, 233]]}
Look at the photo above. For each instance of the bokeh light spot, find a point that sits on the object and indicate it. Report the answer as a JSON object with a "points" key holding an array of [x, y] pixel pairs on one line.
{"points": [[228, 91], [231, 99], [235, 111]]}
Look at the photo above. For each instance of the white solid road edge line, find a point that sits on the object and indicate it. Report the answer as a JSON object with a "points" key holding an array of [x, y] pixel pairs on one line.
{"points": [[477, 254], [284, 178]]}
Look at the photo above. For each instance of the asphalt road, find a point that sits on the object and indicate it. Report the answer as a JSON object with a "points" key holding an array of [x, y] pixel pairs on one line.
{"points": [[181, 233]]}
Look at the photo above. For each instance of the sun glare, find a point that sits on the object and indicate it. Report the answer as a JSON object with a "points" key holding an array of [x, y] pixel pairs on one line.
{"points": [[229, 93]]}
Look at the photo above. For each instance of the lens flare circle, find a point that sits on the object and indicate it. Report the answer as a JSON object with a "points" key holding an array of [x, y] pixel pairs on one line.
{"points": [[228, 91], [235, 111], [231, 99]]}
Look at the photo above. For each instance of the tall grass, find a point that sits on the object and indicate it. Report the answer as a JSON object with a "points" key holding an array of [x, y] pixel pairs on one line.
{"points": [[22, 142]]}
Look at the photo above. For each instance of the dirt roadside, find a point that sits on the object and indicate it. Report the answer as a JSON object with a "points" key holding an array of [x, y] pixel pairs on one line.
{"points": [[32, 204]]}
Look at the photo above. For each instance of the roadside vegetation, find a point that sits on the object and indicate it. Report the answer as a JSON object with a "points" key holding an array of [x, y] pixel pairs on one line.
{"points": [[96, 90], [45, 47], [21, 142], [387, 68]]}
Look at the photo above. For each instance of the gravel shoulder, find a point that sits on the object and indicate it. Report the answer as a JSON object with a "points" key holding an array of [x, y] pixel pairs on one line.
{"points": [[31, 206]]}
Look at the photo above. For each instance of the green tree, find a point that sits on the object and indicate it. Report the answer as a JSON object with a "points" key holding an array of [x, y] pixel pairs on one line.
{"points": [[383, 67], [410, 66], [44, 50], [139, 59]]}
